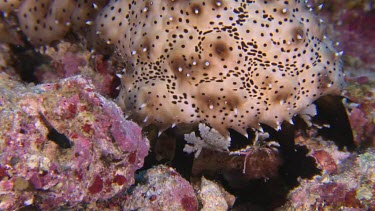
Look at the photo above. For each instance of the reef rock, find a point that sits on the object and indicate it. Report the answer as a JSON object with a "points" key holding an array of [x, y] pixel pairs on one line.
{"points": [[62, 144], [162, 188], [350, 188]]}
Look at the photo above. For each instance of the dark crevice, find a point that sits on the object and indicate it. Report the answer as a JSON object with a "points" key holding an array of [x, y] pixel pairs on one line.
{"points": [[331, 111], [53, 135], [26, 61]]}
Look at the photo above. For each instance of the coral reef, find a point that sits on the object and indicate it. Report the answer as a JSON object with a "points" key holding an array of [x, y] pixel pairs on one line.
{"points": [[162, 188], [350, 187], [63, 144], [69, 59], [245, 85], [361, 104]]}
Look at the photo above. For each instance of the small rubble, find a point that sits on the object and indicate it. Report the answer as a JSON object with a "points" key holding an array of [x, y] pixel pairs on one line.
{"points": [[214, 197], [162, 188]]}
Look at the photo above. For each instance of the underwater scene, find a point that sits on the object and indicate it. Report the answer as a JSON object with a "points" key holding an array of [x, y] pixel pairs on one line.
{"points": [[187, 105]]}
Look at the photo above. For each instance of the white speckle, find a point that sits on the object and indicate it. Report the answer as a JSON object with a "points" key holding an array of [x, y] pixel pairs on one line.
{"points": [[196, 11], [284, 10], [260, 129], [299, 37], [320, 6], [134, 52], [119, 75], [321, 20], [144, 49], [88, 23], [145, 9], [211, 106], [194, 63], [278, 128], [145, 119], [118, 87], [339, 53], [218, 3], [282, 102], [179, 69], [206, 63], [56, 22], [94, 6], [235, 111], [187, 75], [28, 202], [108, 42], [67, 23], [291, 122], [170, 18], [143, 105], [98, 32]]}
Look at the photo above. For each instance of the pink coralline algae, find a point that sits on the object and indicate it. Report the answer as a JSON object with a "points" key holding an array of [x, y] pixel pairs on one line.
{"points": [[63, 144], [69, 59], [352, 187], [162, 188]]}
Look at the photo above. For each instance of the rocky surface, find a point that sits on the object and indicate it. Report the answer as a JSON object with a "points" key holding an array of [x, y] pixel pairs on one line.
{"points": [[63, 144]]}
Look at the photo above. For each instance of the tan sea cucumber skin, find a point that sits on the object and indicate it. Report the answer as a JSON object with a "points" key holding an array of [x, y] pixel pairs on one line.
{"points": [[229, 64]]}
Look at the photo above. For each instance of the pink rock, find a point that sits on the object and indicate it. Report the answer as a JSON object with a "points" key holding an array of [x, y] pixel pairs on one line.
{"points": [[65, 144], [162, 188]]}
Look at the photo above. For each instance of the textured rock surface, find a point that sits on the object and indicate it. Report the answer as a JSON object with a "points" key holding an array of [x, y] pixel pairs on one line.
{"points": [[226, 63], [214, 197], [67, 60], [350, 188], [340, 185], [62, 144], [162, 188]]}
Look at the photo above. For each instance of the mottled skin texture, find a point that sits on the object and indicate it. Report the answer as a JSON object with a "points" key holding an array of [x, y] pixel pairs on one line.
{"points": [[45, 21], [229, 64]]}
